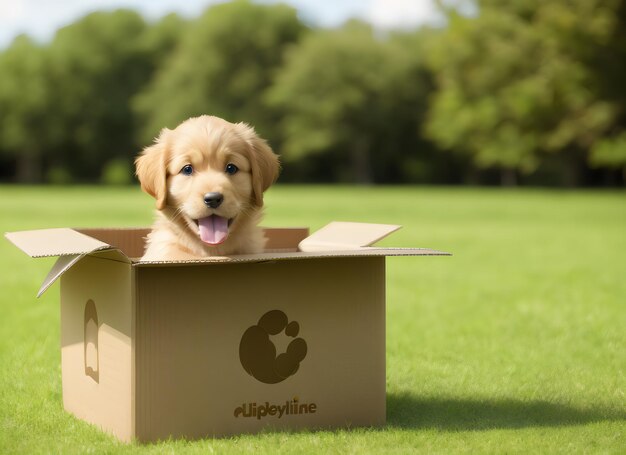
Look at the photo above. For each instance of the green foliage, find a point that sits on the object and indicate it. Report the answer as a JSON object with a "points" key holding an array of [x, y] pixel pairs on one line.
{"points": [[352, 95], [24, 103], [330, 90], [58, 175], [97, 64], [161, 38], [526, 88], [222, 66], [117, 172], [610, 152], [516, 81]]}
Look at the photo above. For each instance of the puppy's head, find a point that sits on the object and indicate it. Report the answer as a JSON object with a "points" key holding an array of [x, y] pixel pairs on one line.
{"points": [[210, 172]]}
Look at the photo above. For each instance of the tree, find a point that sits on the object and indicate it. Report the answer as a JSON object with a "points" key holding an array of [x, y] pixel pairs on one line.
{"points": [[222, 66], [162, 38], [24, 105], [355, 98], [97, 64], [514, 82], [609, 63]]}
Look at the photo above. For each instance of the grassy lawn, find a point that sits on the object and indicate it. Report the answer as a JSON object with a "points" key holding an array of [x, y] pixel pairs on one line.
{"points": [[516, 344]]}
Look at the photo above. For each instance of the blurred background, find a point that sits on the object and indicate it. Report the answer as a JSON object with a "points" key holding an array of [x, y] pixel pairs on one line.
{"points": [[490, 92]]}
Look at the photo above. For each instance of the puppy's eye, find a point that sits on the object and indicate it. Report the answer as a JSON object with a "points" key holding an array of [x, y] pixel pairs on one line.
{"points": [[231, 169], [187, 170]]}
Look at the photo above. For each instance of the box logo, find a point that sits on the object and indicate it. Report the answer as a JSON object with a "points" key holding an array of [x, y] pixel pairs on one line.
{"points": [[257, 352], [290, 407]]}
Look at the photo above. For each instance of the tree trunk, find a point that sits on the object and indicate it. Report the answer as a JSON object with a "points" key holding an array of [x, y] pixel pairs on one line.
{"points": [[508, 177], [472, 176], [28, 169], [574, 160], [361, 166]]}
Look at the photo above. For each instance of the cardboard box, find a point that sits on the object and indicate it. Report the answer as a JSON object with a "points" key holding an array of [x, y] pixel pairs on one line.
{"points": [[189, 349]]}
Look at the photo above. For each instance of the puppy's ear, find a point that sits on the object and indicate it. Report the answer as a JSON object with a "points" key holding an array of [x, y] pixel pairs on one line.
{"points": [[151, 169], [263, 161]]}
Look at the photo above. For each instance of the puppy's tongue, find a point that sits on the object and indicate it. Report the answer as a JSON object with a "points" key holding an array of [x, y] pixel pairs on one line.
{"points": [[213, 229]]}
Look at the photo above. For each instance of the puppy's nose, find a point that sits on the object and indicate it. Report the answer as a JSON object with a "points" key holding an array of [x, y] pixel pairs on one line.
{"points": [[213, 200]]}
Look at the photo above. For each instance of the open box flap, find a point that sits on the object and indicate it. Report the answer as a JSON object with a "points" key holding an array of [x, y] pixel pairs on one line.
{"points": [[65, 262], [68, 244], [341, 236], [59, 268], [337, 239], [55, 242]]}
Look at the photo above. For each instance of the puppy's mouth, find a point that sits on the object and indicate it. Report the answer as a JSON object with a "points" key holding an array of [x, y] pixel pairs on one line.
{"points": [[214, 229]]}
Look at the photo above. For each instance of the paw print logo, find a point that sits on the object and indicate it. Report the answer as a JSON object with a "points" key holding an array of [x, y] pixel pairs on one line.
{"points": [[258, 353]]}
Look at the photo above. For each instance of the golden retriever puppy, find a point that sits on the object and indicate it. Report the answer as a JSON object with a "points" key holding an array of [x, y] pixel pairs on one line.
{"points": [[208, 177]]}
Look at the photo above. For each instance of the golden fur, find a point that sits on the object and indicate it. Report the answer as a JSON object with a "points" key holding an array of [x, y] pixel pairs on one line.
{"points": [[208, 144]]}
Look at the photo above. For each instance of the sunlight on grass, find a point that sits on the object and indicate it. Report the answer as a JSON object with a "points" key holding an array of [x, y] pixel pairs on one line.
{"points": [[514, 344]]}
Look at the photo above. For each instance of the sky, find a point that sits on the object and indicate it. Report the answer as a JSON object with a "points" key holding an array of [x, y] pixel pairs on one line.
{"points": [[41, 18]]}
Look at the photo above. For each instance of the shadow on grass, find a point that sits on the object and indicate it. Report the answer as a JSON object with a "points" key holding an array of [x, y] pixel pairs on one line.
{"points": [[407, 411]]}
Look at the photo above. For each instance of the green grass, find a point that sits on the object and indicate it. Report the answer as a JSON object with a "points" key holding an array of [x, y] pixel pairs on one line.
{"points": [[516, 344]]}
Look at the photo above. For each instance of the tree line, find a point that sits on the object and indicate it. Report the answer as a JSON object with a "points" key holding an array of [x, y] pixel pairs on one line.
{"points": [[529, 92]]}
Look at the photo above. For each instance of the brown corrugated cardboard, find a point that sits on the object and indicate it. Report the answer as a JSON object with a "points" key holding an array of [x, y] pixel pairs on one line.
{"points": [[341, 236], [101, 290], [54, 242], [218, 346]]}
